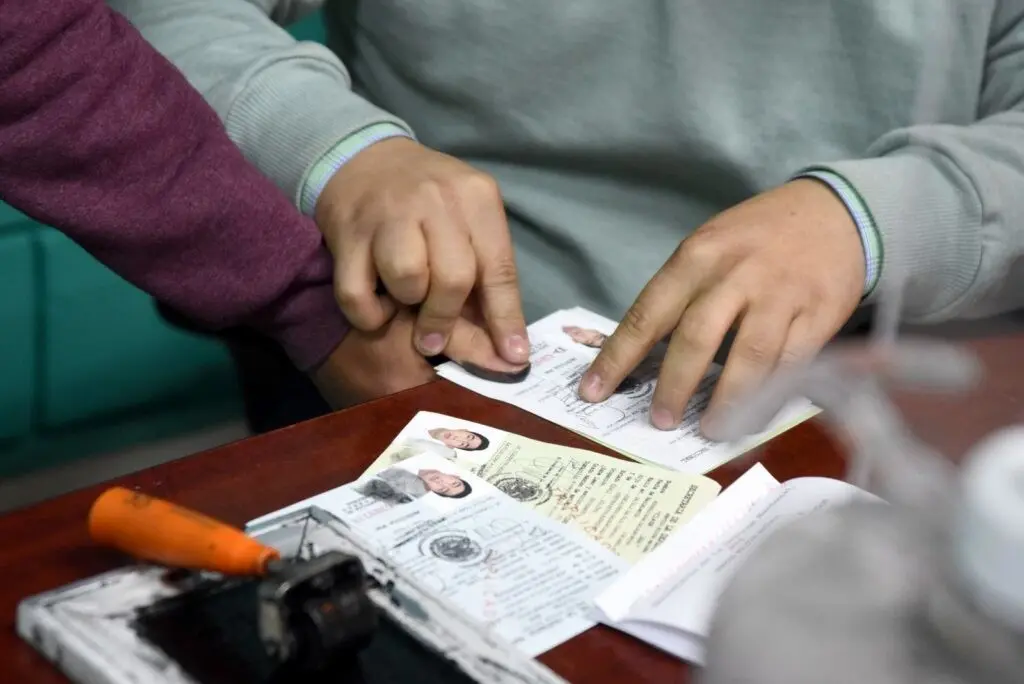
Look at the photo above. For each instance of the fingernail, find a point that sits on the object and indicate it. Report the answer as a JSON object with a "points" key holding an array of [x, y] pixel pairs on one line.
{"points": [[590, 387], [519, 347], [662, 419], [432, 343]]}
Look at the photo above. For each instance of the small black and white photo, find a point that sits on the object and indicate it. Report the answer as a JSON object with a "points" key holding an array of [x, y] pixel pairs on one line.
{"points": [[400, 486]]}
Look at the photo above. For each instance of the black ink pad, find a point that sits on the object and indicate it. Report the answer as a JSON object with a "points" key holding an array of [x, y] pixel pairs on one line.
{"points": [[493, 375], [211, 632]]}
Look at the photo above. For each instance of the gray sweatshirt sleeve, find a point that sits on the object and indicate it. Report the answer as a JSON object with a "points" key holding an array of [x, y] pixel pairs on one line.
{"points": [[285, 103], [948, 200]]}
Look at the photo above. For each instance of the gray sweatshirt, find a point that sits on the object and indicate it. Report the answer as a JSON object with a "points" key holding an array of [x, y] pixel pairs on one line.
{"points": [[616, 128]]}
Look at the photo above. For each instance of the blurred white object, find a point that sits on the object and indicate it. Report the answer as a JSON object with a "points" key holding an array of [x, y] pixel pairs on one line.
{"points": [[988, 543], [927, 588]]}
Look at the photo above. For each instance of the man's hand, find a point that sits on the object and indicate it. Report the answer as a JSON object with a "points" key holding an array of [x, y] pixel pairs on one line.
{"points": [[787, 266], [431, 229], [368, 365]]}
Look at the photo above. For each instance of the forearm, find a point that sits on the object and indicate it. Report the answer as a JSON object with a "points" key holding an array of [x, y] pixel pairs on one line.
{"points": [[947, 200], [285, 103], [949, 214], [103, 139]]}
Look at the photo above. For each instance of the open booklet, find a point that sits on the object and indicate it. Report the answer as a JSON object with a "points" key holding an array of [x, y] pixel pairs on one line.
{"points": [[526, 576], [668, 598], [630, 508], [562, 347]]}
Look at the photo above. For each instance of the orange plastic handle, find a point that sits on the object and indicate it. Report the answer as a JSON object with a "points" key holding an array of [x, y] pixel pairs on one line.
{"points": [[158, 531]]}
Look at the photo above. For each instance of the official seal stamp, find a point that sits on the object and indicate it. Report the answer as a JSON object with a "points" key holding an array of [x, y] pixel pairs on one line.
{"points": [[523, 489], [455, 547]]}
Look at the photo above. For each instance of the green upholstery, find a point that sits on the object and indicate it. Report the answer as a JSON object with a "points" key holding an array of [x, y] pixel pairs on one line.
{"points": [[17, 330], [87, 365], [79, 314], [311, 28]]}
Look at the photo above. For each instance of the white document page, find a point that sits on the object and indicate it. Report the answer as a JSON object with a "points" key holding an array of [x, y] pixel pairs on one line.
{"points": [[526, 576], [688, 601], [562, 347], [675, 611], [655, 570]]}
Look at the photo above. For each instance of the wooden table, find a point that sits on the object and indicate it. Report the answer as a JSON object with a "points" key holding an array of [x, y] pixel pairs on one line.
{"points": [[45, 546]]}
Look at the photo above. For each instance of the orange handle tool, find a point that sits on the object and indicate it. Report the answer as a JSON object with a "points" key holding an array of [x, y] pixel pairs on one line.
{"points": [[161, 532]]}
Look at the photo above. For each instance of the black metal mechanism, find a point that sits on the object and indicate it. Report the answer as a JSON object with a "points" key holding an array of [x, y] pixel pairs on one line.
{"points": [[313, 611], [334, 611], [308, 618]]}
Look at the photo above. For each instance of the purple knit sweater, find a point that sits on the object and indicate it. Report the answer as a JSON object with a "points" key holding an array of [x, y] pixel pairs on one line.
{"points": [[104, 139]]}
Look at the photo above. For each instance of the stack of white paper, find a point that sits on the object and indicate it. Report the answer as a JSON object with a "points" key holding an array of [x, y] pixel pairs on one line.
{"points": [[563, 345], [668, 598]]}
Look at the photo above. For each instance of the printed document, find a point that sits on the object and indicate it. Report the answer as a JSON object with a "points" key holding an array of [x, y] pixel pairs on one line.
{"points": [[525, 575], [562, 347], [630, 508], [668, 598]]}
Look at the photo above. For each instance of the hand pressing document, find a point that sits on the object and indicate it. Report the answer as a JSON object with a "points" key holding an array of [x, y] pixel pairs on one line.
{"points": [[562, 347]]}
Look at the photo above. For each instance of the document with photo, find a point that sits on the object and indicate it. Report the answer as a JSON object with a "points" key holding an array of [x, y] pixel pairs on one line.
{"points": [[629, 508], [525, 575], [562, 347]]}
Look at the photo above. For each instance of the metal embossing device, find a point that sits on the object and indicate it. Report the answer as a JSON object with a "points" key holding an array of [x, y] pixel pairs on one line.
{"points": [[298, 598]]}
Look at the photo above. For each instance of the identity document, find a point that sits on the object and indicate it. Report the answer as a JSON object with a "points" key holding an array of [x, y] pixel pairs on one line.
{"points": [[528, 577], [628, 507]]}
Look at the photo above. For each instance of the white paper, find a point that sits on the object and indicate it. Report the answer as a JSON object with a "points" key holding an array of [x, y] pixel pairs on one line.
{"points": [[562, 347], [527, 576], [687, 603], [669, 597], [657, 568]]}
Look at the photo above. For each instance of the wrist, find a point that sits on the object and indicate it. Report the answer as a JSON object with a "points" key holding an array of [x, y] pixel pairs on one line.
{"points": [[340, 154], [867, 229], [308, 325], [328, 378]]}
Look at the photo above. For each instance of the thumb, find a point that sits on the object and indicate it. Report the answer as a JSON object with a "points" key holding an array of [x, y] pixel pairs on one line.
{"points": [[471, 346]]}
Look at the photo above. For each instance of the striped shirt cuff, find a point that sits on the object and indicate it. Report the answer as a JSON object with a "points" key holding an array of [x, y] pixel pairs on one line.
{"points": [[866, 227], [336, 157]]}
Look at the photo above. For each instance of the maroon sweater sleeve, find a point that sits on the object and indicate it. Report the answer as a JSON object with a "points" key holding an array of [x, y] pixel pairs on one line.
{"points": [[104, 139]]}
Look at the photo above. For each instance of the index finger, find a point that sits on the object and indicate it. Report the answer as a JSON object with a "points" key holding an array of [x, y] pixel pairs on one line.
{"points": [[471, 347], [498, 285], [653, 315]]}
